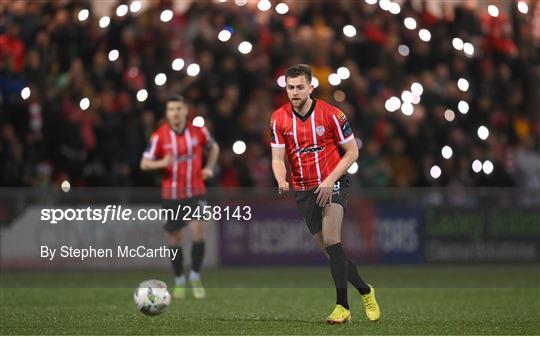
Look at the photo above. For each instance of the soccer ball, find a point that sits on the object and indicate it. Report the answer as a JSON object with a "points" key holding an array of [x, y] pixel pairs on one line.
{"points": [[152, 297]]}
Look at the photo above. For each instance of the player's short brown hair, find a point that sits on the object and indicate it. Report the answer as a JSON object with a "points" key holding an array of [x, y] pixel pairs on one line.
{"points": [[176, 98], [298, 70]]}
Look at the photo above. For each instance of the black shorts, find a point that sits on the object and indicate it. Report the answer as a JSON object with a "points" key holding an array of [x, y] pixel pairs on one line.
{"points": [[311, 212], [174, 224]]}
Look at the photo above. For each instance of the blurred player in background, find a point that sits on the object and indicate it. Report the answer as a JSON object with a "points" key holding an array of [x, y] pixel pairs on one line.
{"points": [[310, 132], [176, 148]]}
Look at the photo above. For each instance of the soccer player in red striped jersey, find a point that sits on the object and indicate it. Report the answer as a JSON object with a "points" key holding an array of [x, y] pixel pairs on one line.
{"points": [[310, 132], [176, 148]]}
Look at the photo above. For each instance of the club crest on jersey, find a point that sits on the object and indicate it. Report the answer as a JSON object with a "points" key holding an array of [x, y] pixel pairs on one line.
{"points": [[319, 130]]}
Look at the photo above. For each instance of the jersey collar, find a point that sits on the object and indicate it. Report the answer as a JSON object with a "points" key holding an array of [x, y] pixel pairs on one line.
{"points": [[311, 109]]}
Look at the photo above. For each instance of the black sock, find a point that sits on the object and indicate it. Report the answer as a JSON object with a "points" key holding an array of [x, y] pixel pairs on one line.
{"points": [[197, 255], [356, 280], [338, 268], [178, 262]]}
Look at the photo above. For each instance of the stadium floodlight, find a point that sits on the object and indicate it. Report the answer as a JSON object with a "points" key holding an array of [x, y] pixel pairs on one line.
{"points": [[264, 5], [407, 96], [463, 84], [392, 104], [160, 79], [122, 10], [415, 99], [135, 6], [424, 35], [104, 22], [449, 115], [435, 172], [334, 79], [343, 73], [349, 31], [83, 15], [245, 47], [166, 15], [193, 69], [353, 168], [339, 95], [417, 89], [410, 23], [403, 50], [84, 104], [239, 147], [483, 132], [385, 4], [468, 48], [282, 8], [240, 2], [395, 8], [281, 81], [477, 166], [447, 152], [487, 167], [407, 109], [371, 2], [224, 35], [314, 82], [463, 107], [523, 7], [493, 11], [25, 93], [177, 64], [113, 55], [198, 121], [142, 95], [457, 43]]}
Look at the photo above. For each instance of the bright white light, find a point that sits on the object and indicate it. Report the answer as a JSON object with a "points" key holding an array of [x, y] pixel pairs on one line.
{"points": [[493, 11], [343, 73], [314, 82], [353, 168], [25, 93], [281, 81], [160, 79], [224, 35], [371, 2], [407, 96], [407, 109], [135, 6], [523, 7], [463, 84], [457, 43], [410, 23], [449, 115], [424, 34], [483, 132], [447, 152], [385, 4], [166, 15], [245, 47], [122, 10], [349, 31], [240, 2], [435, 172], [104, 21], [282, 8], [264, 5], [417, 89], [193, 69], [83, 14], [487, 167], [198, 121], [84, 103], [477, 165], [142, 95], [177, 64], [403, 50], [239, 147], [395, 8], [334, 79], [392, 104], [113, 55], [463, 107], [65, 186], [468, 48]]}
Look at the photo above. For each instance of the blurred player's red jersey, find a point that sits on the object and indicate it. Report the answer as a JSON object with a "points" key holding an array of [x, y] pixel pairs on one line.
{"points": [[311, 141], [183, 178]]}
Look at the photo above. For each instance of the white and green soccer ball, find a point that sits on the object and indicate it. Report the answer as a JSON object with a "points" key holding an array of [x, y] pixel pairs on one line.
{"points": [[152, 297]]}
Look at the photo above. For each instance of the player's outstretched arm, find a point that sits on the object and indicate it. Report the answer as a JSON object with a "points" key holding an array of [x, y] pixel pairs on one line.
{"points": [[148, 164], [279, 169]]}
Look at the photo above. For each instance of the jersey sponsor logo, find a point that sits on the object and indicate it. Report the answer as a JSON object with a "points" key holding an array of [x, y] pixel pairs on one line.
{"points": [[319, 130], [310, 149], [185, 157], [346, 128], [342, 116]]}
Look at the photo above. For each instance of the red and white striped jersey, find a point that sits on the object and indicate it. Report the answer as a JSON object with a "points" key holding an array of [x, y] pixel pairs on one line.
{"points": [[183, 178], [311, 141]]}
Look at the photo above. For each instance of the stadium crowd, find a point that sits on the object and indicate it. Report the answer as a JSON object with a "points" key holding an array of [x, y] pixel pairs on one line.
{"points": [[46, 136]]}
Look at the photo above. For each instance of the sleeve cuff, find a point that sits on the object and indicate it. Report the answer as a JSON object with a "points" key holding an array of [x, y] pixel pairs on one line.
{"points": [[346, 140], [277, 145]]}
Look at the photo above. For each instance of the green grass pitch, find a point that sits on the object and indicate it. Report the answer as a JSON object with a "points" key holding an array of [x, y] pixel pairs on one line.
{"points": [[415, 300]]}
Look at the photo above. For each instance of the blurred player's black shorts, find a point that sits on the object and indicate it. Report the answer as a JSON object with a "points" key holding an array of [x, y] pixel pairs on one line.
{"points": [[182, 208], [311, 212]]}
